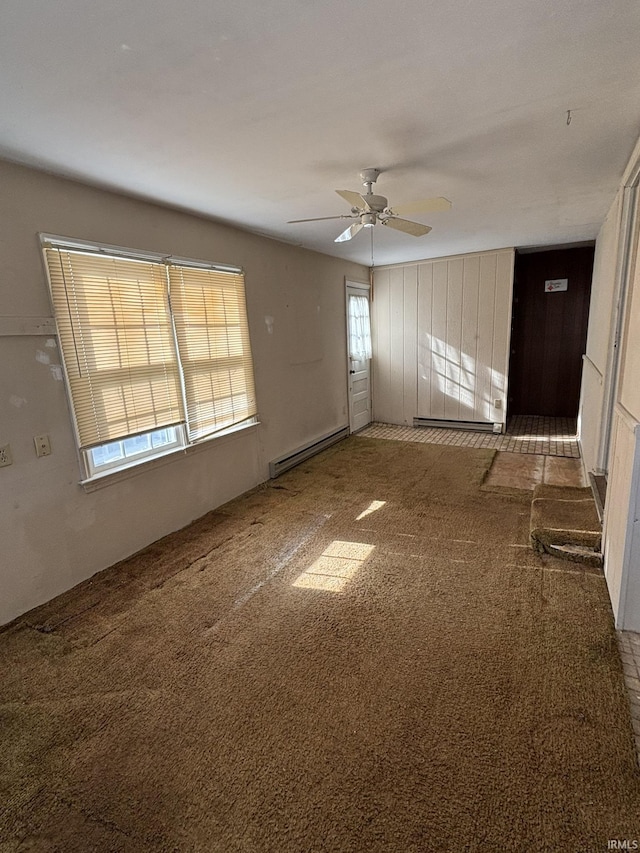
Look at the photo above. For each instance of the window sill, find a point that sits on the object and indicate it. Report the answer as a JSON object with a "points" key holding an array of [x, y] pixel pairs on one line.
{"points": [[133, 469]]}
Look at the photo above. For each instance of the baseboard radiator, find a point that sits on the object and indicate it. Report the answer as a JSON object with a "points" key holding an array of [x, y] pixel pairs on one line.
{"points": [[476, 426], [284, 463]]}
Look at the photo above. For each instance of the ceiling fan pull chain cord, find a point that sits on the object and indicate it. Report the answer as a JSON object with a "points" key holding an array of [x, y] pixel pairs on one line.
{"points": [[371, 230]]}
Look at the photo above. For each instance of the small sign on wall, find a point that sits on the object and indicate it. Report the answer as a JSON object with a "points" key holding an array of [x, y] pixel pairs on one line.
{"points": [[555, 284]]}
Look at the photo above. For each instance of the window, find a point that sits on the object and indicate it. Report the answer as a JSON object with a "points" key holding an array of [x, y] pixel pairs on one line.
{"points": [[359, 328], [156, 351]]}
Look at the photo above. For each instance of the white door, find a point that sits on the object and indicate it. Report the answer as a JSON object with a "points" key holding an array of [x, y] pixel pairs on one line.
{"points": [[359, 355]]}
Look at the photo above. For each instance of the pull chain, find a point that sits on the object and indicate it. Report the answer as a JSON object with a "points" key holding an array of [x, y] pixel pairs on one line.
{"points": [[371, 229], [371, 269]]}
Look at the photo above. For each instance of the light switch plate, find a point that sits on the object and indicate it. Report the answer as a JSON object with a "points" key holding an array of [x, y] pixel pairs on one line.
{"points": [[43, 445]]}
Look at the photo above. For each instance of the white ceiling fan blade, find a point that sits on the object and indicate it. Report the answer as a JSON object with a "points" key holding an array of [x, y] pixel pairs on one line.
{"points": [[354, 199], [321, 218], [413, 228], [351, 232], [425, 205]]}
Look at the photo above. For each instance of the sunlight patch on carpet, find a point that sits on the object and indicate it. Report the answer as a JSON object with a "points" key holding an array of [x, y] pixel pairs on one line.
{"points": [[335, 567], [373, 507]]}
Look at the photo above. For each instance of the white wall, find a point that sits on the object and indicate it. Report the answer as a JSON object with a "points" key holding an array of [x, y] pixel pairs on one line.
{"points": [[598, 354], [53, 532], [616, 291], [441, 338], [622, 554]]}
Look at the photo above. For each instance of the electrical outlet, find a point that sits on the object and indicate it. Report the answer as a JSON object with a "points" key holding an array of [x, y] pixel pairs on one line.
{"points": [[497, 404], [43, 445], [5, 456]]}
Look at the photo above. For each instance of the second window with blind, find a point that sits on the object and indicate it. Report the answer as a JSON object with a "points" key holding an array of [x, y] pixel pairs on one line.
{"points": [[156, 351]]}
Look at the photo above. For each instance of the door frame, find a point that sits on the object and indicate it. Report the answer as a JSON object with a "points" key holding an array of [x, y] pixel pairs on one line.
{"points": [[624, 270], [365, 290]]}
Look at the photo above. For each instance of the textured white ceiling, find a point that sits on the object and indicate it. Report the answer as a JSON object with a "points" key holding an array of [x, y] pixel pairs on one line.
{"points": [[255, 112]]}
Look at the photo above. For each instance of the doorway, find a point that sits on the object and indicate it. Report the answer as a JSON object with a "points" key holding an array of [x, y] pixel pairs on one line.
{"points": [[358, 355], [550, 313]]}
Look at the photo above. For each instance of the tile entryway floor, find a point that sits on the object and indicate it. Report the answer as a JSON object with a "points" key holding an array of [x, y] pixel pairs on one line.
{"points": [[533, 450], [525, 434], [629, 645]]}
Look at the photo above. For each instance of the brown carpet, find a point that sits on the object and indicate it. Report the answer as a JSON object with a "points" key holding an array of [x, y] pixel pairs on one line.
{"points": [[307, 670]]}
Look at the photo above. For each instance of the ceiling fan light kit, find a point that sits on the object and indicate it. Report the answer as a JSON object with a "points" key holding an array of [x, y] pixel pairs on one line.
{"points": [[371, 209]]}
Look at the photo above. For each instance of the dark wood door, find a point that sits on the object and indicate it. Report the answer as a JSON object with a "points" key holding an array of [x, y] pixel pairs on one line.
{"points": [[549, 331]]}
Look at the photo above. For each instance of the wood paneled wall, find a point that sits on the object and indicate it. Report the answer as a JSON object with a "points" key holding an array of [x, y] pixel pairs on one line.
{"points": [[441, 338]]}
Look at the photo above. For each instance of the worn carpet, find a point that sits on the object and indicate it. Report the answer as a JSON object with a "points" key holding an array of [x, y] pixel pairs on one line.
{"points": [[565, 518], [363, 655]]}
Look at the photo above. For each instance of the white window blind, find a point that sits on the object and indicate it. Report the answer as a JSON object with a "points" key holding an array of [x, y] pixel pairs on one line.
{"points": [[213, 342], [359, 328], [117, 340], [149, 343]]}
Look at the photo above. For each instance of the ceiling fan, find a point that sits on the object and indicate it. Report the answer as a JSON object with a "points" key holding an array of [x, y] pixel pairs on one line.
{"points": [[370, 209]]}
